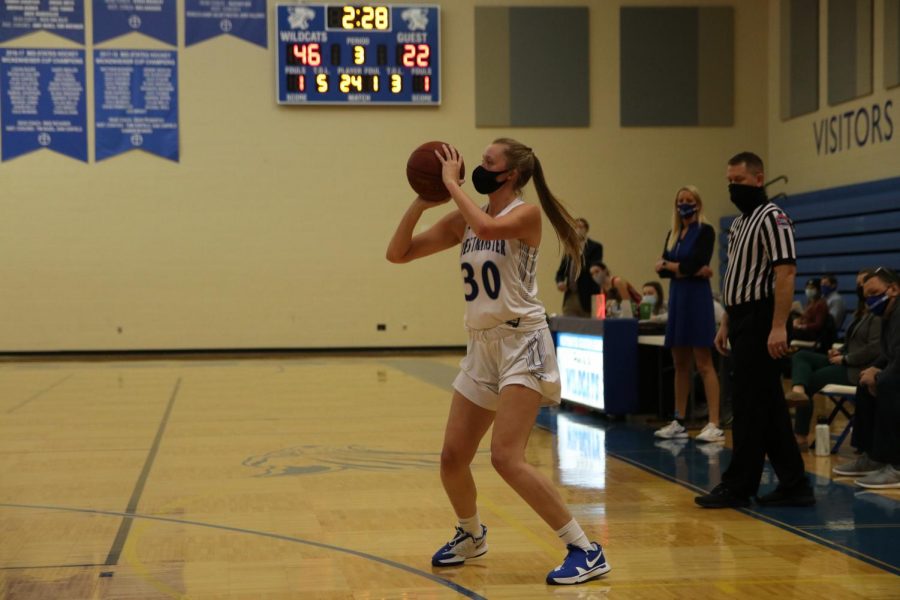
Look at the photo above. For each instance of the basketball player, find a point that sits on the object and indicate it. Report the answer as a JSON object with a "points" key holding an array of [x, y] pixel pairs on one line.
{"points": [[510, 367]]}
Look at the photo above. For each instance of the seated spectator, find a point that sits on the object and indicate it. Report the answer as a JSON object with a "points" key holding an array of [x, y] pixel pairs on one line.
{"points": [[809, 325], [622, 299], [654, 296], [876, 423], [834, 300], [811, 371]]}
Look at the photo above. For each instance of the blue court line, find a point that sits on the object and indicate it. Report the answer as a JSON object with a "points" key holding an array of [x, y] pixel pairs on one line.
{"points": [[857, 523], [276, 536]]}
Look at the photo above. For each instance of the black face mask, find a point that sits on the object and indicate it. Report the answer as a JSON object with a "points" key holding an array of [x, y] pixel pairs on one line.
{"points": [[485, 181], [747, 197]]}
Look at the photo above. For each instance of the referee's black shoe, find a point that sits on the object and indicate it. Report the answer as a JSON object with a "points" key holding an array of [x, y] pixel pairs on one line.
{"points": [[800, 496], [722, 497]]}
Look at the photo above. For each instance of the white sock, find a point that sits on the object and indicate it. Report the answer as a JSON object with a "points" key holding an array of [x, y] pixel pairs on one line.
{"points": [[471, 525], [572, 533]]}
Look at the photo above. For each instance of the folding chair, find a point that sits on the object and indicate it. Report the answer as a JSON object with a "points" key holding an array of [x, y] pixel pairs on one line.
{"points": [[840, 395]]}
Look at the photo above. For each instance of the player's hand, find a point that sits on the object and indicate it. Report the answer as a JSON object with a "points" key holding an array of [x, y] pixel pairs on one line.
{"points": [[705, 272], [451, 161], [660, 265], [778, 346]]}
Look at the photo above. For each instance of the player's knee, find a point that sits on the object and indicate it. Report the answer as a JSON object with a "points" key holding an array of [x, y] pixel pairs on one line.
{"points": [[453, 458], [504, 461]]}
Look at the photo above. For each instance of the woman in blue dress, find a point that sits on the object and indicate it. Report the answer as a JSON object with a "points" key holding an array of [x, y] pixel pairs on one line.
{"points": [[691, 327]]}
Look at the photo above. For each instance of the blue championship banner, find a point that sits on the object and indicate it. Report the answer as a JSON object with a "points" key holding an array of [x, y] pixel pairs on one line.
{"points": [[62, 17], [43, 104], [204, 19], [153, 18], [136, 102]]}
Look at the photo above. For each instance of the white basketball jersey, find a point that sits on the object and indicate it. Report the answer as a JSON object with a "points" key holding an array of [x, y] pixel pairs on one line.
{"points": [[499, 282]]}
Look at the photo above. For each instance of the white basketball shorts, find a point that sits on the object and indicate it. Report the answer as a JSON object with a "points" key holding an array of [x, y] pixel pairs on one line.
{"points": [[498, 357]]}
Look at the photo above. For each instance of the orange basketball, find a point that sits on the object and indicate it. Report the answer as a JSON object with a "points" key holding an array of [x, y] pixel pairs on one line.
{"points": [[423, 171]]}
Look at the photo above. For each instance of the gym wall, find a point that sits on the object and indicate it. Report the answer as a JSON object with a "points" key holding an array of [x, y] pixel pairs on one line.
{"points": [[271, 230]]}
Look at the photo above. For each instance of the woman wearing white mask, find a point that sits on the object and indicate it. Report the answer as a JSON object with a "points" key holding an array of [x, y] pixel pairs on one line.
{"points": [[811, 325], [653, 296], [691, 326]]}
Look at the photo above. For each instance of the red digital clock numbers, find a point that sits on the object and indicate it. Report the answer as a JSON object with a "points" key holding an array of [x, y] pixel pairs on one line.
{"points": [[414, 55], [304, 54], [310, 55]]}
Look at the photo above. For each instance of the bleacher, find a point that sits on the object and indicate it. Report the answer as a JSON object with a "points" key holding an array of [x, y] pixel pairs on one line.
{"points": [[838, 230]]}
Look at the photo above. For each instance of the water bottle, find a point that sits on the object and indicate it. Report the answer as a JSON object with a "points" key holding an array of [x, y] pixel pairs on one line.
{"points": [[612, 309], [823, 437], [646, 311]]}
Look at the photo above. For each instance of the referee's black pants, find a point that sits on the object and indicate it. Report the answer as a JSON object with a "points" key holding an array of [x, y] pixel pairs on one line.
{"points": [[762, 424]]}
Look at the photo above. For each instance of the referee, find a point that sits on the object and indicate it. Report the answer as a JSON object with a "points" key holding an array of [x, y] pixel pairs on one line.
{"points": [[759, 287]]}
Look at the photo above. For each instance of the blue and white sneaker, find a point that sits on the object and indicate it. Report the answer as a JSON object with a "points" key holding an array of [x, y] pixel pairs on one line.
{"points": [[461, 548], [579, 566]]}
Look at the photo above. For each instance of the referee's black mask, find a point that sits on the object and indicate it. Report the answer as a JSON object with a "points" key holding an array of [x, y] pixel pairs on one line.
{"points": [[747, 197]]}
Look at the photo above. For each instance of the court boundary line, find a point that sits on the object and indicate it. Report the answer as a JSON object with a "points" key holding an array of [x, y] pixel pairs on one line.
{"points": [[766, 518], [37, 395], [113, 354], [277, 536], [72, 566], [115, 550]]}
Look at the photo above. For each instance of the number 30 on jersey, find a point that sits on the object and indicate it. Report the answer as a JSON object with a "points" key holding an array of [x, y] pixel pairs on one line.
{"points": [[490, 281]]}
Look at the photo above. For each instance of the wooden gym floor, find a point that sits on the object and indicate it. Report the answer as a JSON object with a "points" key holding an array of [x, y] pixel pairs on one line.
{"points": [[317, 477]]}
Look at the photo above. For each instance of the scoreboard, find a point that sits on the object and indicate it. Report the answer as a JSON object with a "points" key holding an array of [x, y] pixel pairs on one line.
{"points": [[358, 54]]}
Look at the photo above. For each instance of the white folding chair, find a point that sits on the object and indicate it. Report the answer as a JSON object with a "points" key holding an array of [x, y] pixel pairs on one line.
{"points": [[840, 395]]}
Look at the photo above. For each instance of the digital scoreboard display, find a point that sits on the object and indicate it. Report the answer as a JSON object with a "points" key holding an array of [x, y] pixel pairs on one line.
{"points": [[580, 359], [358, 54]]}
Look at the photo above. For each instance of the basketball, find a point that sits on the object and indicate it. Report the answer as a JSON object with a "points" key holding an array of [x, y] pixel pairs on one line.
{"points": [[423, 171]]}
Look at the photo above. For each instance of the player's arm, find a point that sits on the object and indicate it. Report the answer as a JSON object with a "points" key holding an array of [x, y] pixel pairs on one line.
{"points": [[446, 233]]}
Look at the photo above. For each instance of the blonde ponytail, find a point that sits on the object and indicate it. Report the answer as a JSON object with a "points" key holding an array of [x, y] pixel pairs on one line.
{"points": [[521, 158]]}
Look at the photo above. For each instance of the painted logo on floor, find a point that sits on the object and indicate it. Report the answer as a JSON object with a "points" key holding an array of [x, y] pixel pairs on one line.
{"points": [[310, 460]]}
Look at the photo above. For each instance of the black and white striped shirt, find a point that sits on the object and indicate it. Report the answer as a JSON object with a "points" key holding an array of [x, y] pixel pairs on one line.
{"points": [[756, 244]]}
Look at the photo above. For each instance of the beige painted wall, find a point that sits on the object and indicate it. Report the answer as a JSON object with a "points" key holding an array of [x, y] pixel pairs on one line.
{"points": [[271, 231], [792, 143]]}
